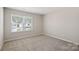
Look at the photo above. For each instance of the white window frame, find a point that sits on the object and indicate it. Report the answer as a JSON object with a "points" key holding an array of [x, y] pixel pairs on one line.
{"points": [[23, 21]]}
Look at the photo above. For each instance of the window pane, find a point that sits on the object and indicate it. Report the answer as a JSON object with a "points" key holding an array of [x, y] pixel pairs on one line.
{"points": [[27, 23], [17, 19], [17, 24]]}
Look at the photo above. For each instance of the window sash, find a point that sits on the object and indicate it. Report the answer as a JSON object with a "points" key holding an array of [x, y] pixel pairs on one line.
{"points": [[25, 25]]}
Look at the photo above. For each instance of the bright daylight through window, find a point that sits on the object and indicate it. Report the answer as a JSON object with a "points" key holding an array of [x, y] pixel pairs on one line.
{"points": [[21, 23]]}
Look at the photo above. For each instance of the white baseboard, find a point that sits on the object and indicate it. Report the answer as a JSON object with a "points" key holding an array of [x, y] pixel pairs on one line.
{"points": [[21, 37], [51, 35], [55, 36], [1, 44]]}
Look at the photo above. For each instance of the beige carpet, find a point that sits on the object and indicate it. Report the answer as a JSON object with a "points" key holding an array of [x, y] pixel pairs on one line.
{"points": [[39, 43]]}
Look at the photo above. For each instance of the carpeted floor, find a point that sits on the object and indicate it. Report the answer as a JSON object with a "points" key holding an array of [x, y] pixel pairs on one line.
{"points": [[39, 43]]}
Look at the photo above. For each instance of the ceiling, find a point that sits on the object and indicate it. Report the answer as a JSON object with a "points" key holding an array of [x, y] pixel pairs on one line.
{"points": [[41, 10], [37, 10]]}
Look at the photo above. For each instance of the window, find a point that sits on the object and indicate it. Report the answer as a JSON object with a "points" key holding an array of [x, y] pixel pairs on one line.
{"points": [[21, 23]]}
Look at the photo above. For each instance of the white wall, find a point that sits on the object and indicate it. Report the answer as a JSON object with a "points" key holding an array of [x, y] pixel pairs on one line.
{"points": [[63, 24], [1, 27], [37, 25]]}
